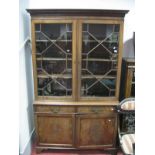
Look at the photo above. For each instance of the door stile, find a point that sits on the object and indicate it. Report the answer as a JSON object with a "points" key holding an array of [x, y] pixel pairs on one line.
{"points": [[79, 49], [34, 59], [74, 61]]}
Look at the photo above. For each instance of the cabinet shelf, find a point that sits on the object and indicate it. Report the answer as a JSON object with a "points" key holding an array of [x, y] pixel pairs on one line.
{"points": [[97, 76], [92, 59], [93, 41], [54, 76], [54, 59], [54, 40], [63, 59], [68, 76]]}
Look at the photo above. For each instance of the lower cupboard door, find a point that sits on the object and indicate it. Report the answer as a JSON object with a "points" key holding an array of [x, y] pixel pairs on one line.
{"points": [[96, 131], [55, 130]]}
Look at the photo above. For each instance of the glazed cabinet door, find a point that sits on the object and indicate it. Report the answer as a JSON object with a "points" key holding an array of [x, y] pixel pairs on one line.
{"points": [[96, 131], [55, 130], [100, 52], [53, 59]]}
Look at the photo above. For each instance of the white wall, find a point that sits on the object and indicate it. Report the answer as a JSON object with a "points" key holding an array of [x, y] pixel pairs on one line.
{"points": [[129, 28], [24, 21], [26, 124], [85, 4]]}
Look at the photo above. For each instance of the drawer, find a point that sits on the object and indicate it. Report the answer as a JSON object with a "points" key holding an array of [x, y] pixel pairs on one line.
{"points": [[96, 109], [54, 109]]}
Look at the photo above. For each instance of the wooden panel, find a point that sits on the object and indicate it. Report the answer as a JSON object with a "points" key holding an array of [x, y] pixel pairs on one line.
{"points": [[128, 86], [130, 67], [34, 59], [96, 131], [77, 103], [79, 57], [54, 109], [96, 109], [55, 130], [74, 61], [43, 18]]}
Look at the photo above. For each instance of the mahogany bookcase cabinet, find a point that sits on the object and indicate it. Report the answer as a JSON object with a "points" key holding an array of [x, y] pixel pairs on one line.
{"points": [[77, 65]]}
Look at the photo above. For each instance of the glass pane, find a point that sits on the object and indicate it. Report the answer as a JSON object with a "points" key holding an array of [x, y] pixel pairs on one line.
{"points": [[94, 87], [54, 59], [100, 44], [49, 87]]}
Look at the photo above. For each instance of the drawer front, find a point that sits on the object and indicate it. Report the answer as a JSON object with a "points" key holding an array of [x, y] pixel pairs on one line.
{"points": [[54, 109], [96, 109]]}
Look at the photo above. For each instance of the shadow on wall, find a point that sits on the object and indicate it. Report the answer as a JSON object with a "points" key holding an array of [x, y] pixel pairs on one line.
{"points": [[26, 100], [128, 50], [30, 96], [29, 81]]}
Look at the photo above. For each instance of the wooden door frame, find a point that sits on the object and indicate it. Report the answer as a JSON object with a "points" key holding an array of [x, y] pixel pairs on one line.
{"points": [[74, 62], [79, 50]]}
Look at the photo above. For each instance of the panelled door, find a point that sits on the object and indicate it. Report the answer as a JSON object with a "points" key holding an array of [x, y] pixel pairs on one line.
{"points": [[99, 50], [96, 130], [55, 129], [54, 54]]}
